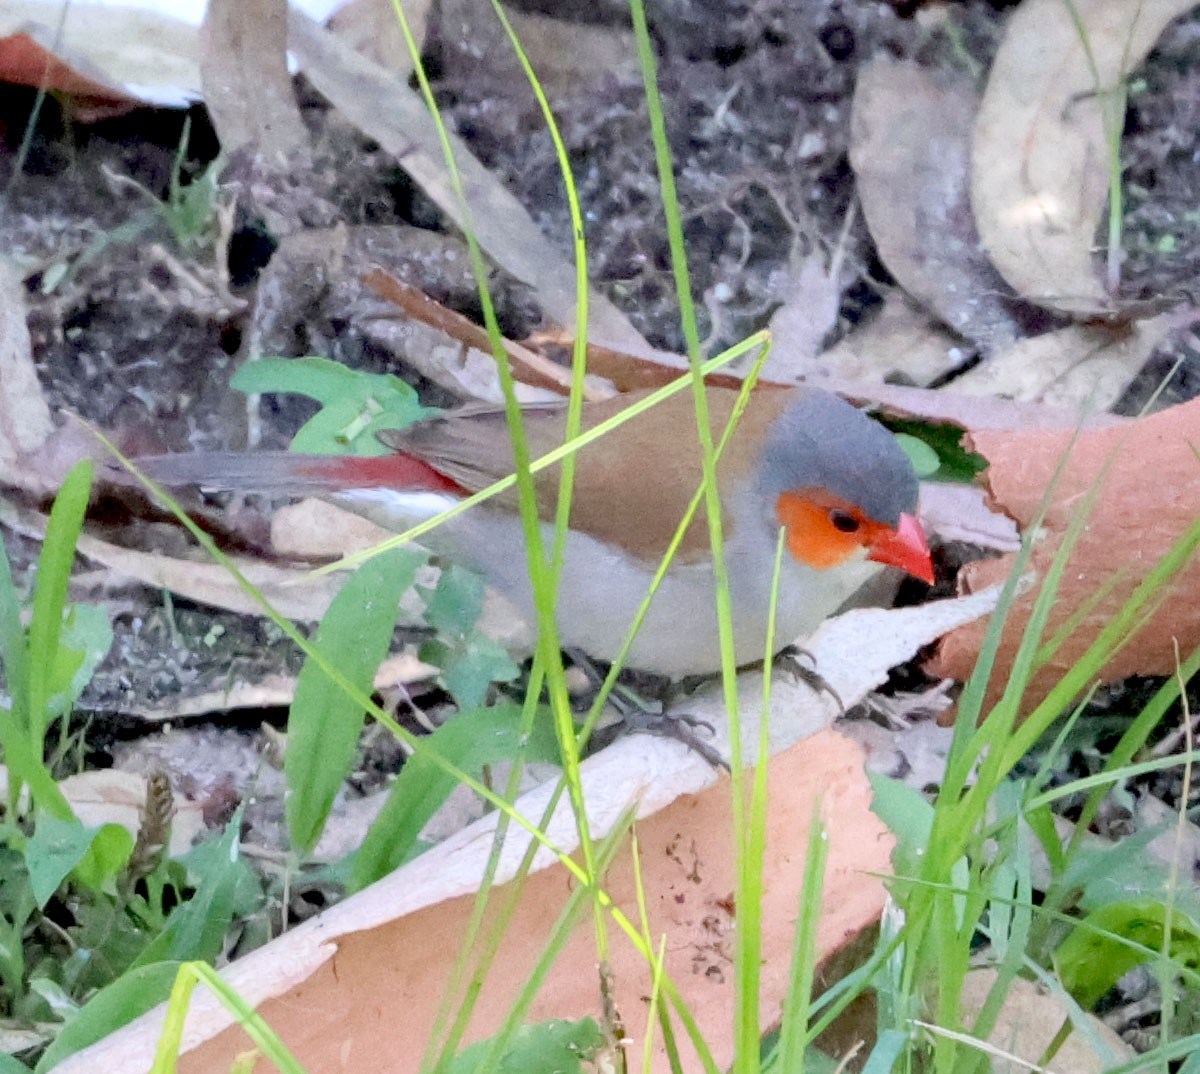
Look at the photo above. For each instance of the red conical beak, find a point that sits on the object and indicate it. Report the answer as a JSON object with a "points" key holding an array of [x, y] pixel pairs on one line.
{"points": [[904, 547]]}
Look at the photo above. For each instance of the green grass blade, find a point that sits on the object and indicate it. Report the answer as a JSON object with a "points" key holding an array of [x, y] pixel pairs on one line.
{"points": [[325, 721], [50, 594], [470, 740]]}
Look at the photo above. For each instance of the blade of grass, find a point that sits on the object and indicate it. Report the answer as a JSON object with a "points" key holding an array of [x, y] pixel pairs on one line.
{"points": [[797, 1009]]}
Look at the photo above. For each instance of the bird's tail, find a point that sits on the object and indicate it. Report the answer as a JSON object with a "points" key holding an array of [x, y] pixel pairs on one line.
{"points": [[288, 473]]}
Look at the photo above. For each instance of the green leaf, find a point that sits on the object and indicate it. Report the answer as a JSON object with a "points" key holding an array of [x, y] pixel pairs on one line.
{"points": [[196, 928], [325, 722], [955, 463], [50, 595], [105, 858], [556, 1047], [453, 607], [128, 997], [318, 378], [59, 846], [909, 818], [924, 459], [14, 656], [355, 406], [86, 638], [469, 740], [10, 1064], [1090, 962], [469, 671]]}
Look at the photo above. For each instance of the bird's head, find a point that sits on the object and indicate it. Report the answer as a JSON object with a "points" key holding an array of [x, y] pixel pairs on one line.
{"points": [[839, 483]]}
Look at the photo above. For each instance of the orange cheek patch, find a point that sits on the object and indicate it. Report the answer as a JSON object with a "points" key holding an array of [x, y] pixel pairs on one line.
{"points": [[812, 537]]}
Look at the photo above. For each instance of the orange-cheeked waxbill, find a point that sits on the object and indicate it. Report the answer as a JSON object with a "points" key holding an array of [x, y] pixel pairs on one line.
{"points": [[838, 482]]}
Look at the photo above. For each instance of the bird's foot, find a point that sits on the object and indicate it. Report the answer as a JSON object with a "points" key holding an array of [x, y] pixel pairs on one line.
{"points": [[639, 716], [791, 658]]}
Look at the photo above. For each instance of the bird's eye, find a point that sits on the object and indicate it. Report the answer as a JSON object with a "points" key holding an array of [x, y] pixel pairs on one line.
{"points": [[843, 521]]}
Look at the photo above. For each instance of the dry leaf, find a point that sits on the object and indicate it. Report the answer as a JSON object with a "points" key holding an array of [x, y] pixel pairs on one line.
{"points": [[371, 27], [313, 985], [1150, 497], [910, 135], [1084, 367], [272, 691], [1040, 164], [110, 60], [247, 87], [109, 796], [571, 57], [960, 513], [900, 340], [811, 293], [293, 593], [24, 414], [967, 411], [1029, 1022]]}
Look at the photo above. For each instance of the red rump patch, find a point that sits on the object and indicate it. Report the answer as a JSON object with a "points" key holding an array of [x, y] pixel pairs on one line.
{"points": [[395, 471]]}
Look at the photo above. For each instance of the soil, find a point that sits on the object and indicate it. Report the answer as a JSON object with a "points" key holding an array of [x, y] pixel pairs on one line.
{"points": [[139, 333]]}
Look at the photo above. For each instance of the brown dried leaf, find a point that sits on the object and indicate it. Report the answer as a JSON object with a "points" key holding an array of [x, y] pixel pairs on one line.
{"points": [[811, 292], [1083, 367], [371, 27], [108, 60], [1040, 164], [1150, 497], [1029, 1022], [294, 593], [272, 691], [247, 87], [109, 796], [910, 135], [24, 414], [900, 340]]}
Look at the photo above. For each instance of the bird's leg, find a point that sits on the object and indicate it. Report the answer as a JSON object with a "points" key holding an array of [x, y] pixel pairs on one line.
{"points": [[638, 715], [789, 660]]}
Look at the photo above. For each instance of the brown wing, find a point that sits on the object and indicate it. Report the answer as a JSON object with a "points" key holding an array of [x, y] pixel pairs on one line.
{"points": [[651, 463]]}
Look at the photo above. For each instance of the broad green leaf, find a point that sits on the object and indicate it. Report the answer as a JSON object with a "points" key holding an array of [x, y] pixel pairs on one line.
{"points": [[1093, 958], [106, 857], [13, 652], [129, 996], [556, 1047], [453, 606], [10, 1064], [355, 406], [196, 928], [923, 457], [909, 818], [325, 722], [469, 740], [955, 463], [50, 594], [86, 638], [318, 378], [54, 849], [470, 670]]}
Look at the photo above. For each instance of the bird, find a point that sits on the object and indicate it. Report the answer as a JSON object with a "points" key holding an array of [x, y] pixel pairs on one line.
{"points": [[836, 481]]}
